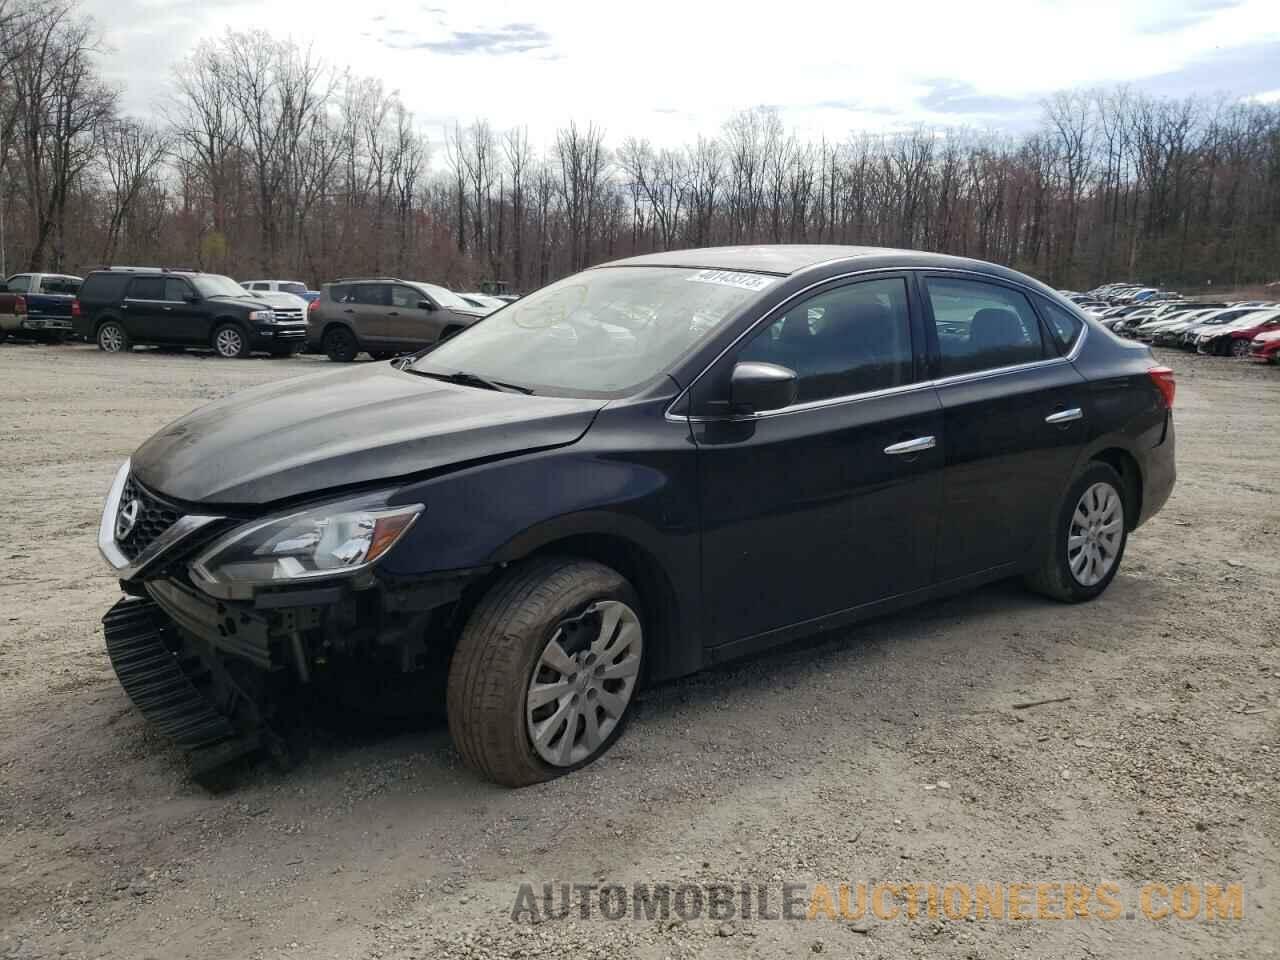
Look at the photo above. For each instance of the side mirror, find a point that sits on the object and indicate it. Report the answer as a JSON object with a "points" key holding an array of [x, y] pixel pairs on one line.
{"points": [[192, 298], [4, 287], [426, 305], [756, 387]]}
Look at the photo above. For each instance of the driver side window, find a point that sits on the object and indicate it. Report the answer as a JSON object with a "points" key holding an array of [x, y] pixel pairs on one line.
{"points": [[853, 339], [404, 297]]}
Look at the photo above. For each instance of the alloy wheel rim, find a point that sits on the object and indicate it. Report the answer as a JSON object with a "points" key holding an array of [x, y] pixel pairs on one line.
{"points": [[228, 343], [1095, 535], [583, 682], [1240, 348], [109, 337]]}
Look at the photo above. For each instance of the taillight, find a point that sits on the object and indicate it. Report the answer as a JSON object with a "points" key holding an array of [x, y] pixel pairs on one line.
{"points": [[75, 307], [19, 305], [1162, 377], [312, 307]]}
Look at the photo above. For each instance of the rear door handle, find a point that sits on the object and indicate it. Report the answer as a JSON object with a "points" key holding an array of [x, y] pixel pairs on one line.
{"points": [[911, 446], [1065, 416]]}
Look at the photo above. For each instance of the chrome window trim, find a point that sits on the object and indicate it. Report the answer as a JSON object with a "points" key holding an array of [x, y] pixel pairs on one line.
{"points": [[122, 566], [870, 394]]}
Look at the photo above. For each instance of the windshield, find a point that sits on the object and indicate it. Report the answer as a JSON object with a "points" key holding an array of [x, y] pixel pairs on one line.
{"points": [[602, 332], [213, 285], [445, 298]]}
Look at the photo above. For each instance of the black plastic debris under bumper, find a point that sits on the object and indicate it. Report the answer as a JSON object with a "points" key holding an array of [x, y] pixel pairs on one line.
{"points": [[146, 654]]}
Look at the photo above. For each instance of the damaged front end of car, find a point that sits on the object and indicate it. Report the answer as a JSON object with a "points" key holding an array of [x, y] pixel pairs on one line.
{"points": [[233, 628]]}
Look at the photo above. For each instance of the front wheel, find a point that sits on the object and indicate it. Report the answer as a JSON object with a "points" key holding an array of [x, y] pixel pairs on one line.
{"points": [[1088, 539], [545, 671], [1240, 349], [340, 345], [229, 341]]}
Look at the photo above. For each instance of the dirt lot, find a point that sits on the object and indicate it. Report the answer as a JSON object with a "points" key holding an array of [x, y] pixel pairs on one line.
{"points": [[888, 752]]}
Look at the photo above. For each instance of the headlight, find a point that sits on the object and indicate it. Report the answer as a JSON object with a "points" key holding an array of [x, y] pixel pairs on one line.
{"points": [[262, 316], [328, 540]]}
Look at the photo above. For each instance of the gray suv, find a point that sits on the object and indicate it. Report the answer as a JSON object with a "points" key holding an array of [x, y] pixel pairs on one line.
{"points": [[384, 317]]}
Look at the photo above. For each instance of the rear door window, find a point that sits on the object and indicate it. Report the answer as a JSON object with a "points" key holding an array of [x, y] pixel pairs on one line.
{"points": [[373, 294], [982, 326], [147, 288]]}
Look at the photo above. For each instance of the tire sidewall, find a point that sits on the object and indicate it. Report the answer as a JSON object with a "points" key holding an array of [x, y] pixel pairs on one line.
{"points": [[592, 582], [1094, 473]]}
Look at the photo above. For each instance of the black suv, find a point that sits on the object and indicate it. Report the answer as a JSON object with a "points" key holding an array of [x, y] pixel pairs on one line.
{"points": [[120, 307], [641, 470], [385, 316]]}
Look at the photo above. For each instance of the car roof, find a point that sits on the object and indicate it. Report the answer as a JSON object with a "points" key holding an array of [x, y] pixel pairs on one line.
{"points": [[787, 259]]}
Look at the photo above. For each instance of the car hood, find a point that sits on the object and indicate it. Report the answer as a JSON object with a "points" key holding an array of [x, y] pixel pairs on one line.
{"points": [[280, 298], [297, 437]]}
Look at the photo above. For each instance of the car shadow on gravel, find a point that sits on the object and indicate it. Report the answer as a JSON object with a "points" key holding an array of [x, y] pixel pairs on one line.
{"points": [[339, 734]]}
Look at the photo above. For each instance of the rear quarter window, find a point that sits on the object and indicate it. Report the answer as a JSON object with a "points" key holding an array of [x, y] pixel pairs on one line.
{"points": [[103, 287], [1064, 326]]}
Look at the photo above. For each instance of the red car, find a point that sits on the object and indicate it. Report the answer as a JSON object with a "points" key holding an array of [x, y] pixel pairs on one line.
{"points": [[1233, 339], [1266, 347]]}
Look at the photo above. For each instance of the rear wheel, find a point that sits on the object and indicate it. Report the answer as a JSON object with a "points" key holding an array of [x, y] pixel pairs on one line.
{"points": [[112, 338], [341, 345], [230, 342], [1088, 539], [543, 677]]}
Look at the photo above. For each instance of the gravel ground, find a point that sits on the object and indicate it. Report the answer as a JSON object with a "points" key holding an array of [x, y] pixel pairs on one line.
{"points": [[886, 752]]}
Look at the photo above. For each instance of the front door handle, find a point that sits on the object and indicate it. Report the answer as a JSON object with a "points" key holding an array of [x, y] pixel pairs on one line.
{"points": [[1065, 416], [911, 446]]}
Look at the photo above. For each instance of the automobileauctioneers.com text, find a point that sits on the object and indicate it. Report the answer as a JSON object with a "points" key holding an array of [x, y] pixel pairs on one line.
{"points": [[901, 901]]}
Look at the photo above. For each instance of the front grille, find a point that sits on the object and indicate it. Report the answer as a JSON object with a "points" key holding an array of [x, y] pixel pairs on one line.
{"points": [[154, 518], [288, 315], [290, 334]]}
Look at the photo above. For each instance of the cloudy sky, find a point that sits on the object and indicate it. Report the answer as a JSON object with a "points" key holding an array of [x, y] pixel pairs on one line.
{"points": [[668, 70]]}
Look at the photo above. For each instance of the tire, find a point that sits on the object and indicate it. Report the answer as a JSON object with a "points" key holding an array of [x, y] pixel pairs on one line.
{"points": [[229, 341], [1055, 577], [502, 654], [1239, 349], [112, 338], [340, 345]]}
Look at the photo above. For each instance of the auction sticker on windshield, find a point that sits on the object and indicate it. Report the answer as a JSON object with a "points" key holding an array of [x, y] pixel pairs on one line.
{"points": [[727, 278]]}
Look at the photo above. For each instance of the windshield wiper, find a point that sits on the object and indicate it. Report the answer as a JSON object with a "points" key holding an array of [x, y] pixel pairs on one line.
{"points": [[471, 380]]}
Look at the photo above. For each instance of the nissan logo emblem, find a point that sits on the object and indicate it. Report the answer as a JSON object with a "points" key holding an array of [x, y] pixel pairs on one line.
{"points": [[127, 518]]}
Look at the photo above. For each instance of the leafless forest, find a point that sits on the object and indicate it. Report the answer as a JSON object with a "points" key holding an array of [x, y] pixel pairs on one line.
{"points": [[265, 160]]}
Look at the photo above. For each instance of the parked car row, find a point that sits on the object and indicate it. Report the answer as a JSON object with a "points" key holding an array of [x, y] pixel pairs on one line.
{"points": [[119, 307], [1247, 328]]}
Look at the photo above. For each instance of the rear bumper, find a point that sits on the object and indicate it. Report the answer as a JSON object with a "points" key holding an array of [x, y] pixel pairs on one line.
{"points": [[1159, 473]]}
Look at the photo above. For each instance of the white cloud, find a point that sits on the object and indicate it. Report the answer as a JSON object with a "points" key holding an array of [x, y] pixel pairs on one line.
{"points": [[669, 69]]}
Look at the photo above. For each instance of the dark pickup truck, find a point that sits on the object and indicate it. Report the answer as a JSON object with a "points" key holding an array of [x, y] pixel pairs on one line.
{"points": [[37, 305]]}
